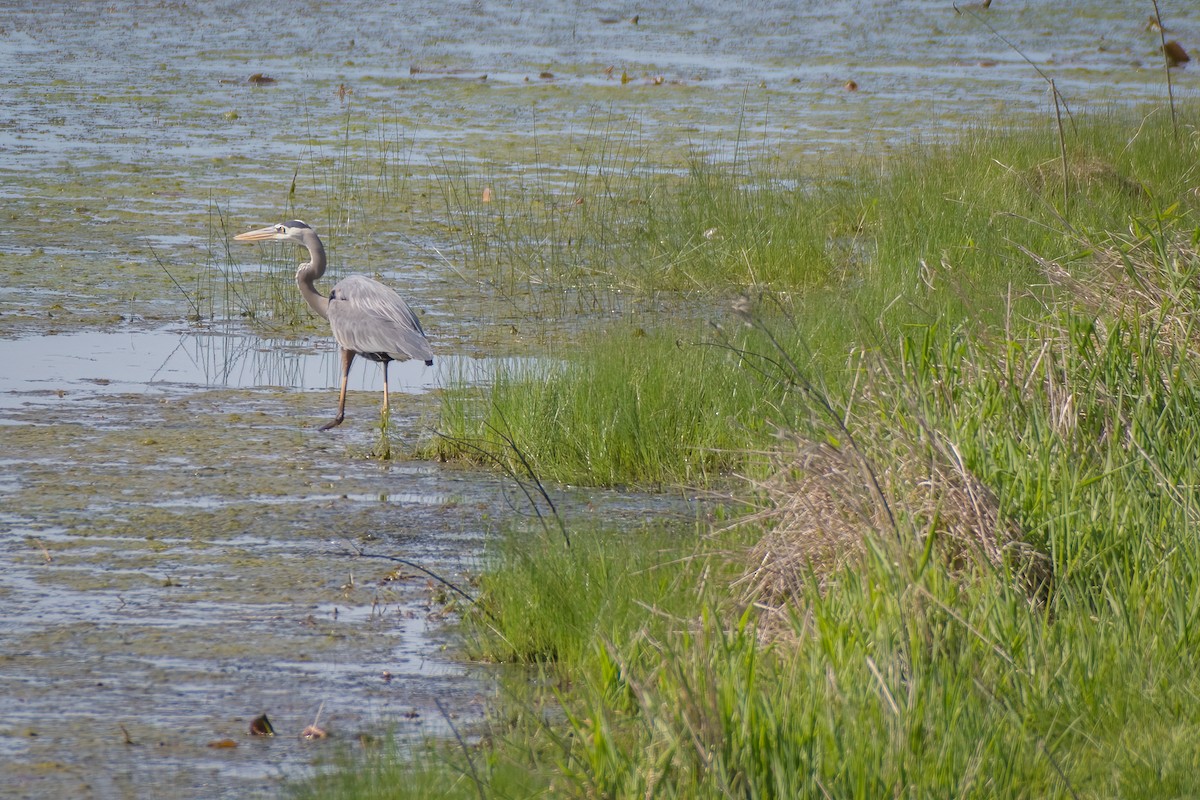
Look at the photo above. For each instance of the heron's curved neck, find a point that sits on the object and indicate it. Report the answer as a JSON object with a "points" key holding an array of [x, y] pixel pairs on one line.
{"points": [[309, 273]]}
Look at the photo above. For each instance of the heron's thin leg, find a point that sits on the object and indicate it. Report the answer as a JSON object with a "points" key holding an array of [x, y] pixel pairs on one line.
{"points": [[387, 409], [347, 360]]}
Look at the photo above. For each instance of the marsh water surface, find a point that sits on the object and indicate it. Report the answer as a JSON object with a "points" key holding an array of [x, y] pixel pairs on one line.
{"points": [[181, 546]]}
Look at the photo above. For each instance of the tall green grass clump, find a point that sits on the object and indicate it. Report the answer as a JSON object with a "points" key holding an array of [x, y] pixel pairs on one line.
{"points": [[630, 407], [544, 601]]}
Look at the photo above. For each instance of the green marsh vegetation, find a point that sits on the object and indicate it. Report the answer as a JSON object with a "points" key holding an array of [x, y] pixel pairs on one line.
{"points": [[830, 258], [962, 401]]}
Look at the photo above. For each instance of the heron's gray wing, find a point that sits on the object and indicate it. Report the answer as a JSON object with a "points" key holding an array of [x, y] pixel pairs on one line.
{"points": [[368, 317]]}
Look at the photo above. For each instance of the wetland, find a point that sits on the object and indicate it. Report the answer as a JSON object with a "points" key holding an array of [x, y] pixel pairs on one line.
{"points": [[182, 549]]}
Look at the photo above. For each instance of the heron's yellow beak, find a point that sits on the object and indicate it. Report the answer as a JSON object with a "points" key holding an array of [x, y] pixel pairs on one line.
{"points": [[260, 235]]}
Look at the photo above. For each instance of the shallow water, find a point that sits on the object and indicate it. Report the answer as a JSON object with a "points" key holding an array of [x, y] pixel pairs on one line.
{"points": [[179, 559], [179, 541], [173, 361]]}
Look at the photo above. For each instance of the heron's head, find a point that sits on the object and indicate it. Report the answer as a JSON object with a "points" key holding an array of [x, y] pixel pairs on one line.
{"points": [[294, 231]]}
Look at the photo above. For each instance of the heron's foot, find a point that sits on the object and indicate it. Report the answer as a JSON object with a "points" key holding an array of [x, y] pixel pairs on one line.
{"points": [[334, 423]]}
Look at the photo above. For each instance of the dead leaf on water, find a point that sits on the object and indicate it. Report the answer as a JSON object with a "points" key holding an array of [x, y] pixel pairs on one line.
{"points": [[1154, 24], [223, 743], [261, 726], [258, 79], [1175, 54], [487, 194], [851, 86]]}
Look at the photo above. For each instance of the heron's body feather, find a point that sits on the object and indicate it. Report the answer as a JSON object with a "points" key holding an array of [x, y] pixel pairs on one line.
{"points": [[372, 320]]}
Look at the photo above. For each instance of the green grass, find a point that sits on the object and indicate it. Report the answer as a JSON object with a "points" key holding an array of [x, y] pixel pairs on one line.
{"points": [[937, 236], [912, 669], [974, 569], [858, 222], [641, 407]]}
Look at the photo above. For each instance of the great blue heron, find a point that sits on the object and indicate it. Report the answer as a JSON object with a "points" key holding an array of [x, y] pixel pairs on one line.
{"points": [[368, 318]]}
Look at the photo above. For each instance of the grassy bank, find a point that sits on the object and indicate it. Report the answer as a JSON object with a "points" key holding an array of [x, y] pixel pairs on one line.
{"points": [[946, 237], [972, 567]]}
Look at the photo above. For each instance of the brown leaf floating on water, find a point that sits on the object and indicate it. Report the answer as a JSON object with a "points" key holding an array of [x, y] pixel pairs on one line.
{"points": [[487, 194], [1175, 54], [258, 79], [261, 726], [851, 86], [223, 743]]}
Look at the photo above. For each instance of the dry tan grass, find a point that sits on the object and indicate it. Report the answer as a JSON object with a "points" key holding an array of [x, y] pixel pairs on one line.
{"points": [[825, 503], [1143, 279], [1143, 283], [1083, 172]]}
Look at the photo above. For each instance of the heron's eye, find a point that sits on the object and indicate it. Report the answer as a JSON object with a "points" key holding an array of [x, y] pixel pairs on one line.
{"points": [[279, 229]]}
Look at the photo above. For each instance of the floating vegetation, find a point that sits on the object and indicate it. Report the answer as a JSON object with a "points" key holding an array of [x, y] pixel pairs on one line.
{"points": [[261, 726], [1175, 54]]}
